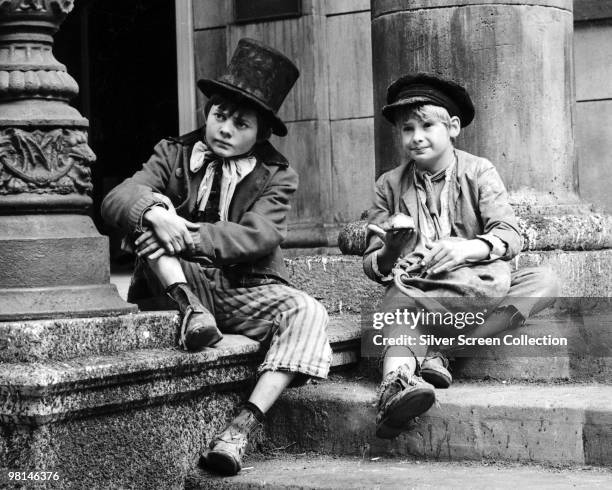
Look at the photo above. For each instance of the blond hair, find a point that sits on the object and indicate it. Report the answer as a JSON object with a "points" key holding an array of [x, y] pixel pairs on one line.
{"points": [[425, 113]]}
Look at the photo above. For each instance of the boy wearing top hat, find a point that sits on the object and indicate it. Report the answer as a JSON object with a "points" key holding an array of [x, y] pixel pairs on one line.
{"points": [[440, 234], [206, 215]]}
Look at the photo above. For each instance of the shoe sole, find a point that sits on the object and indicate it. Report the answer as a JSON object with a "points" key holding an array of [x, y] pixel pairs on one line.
{"points": [[436, 378], [221, 462], [419, 401], [205, 337]]}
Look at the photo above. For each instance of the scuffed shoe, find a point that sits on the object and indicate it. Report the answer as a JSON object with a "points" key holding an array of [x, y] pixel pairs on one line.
{"points": [[403, 396], [434, 370], [198, 329], [227, 448], [198, 325]]}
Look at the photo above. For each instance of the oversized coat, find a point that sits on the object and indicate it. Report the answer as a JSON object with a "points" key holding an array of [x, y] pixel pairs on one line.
{"points": [[478, 204], [247, 246]]}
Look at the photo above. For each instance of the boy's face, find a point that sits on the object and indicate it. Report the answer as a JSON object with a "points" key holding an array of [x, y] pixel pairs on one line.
{"points": [[229, 135], [427, 142]]}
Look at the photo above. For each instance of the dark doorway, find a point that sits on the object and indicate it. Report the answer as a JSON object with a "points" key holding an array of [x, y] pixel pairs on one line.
{"points": [[123, 56]]}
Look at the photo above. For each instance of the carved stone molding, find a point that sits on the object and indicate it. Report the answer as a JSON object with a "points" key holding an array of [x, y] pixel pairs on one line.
{"points": [[28, 56], [37, 84], [39, 6], [28, 69], [45, 162]]}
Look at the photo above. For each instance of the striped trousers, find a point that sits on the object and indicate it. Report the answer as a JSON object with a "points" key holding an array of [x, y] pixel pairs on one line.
{"points": [[290, 322]]}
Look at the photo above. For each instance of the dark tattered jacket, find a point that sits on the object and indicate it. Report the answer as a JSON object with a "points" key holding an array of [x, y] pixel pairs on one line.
{"points": [[248, 245]]}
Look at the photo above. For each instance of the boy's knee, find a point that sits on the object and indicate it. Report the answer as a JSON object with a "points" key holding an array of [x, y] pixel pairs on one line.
{"points": [[318, 310], [313, 311]]}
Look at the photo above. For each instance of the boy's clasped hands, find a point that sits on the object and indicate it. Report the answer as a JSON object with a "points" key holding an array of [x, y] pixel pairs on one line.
{"points": [[168, 233], [442, 256]]}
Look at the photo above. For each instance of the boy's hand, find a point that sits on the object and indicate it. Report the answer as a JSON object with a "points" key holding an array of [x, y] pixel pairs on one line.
{"points": [[395, 231], [172, 231], [394, 239], [148, 246], [446, 254]]}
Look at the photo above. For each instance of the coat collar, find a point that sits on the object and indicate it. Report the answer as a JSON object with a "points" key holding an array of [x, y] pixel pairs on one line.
{"points": [[248, 190]]}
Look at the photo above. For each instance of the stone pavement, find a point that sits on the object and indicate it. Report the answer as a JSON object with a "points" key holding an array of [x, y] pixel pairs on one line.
{"points": [[309, 470]]}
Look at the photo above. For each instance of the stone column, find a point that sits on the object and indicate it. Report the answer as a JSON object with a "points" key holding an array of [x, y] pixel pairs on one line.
{"points": [[515, 58], [53, 262]]}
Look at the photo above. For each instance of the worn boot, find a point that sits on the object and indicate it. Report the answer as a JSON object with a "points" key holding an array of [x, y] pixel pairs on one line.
{"points": [[434, 370], [509, 316], [198, 325], [228, 447], [403, 396], [501, 320]]}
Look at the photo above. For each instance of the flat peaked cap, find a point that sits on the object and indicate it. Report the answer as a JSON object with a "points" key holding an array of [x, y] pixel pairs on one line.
{"points": [[429, 88], [260, 74]]}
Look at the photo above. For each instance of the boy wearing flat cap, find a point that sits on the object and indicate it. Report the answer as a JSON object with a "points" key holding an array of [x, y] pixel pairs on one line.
{"points": [[206, 215], [440, 235]]}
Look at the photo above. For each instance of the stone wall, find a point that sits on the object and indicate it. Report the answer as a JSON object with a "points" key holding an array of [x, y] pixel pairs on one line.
{"points": [[333, 142]]}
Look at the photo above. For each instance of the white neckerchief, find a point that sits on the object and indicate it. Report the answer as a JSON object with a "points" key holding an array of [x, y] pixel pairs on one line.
{"points": [[234, 170]]}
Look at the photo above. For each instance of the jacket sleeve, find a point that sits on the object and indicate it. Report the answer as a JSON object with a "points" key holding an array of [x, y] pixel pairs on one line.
{"points": [[258, 232], [496, 213], [377, 214], [125, 205]]}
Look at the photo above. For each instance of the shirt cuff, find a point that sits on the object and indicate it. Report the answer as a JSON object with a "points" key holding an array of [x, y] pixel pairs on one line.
{"points": [[376, 270], [140, 228], [497, 245]]}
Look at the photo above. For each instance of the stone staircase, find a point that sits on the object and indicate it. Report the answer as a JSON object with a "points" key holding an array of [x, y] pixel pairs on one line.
{"points": [[110, 402], [545, 410]]}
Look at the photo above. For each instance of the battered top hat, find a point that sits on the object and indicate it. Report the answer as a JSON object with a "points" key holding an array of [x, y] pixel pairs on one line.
{"points": [[429, 88], [260, 74]]}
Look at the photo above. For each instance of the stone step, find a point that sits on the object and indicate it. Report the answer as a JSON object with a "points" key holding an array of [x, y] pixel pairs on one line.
{"points": [[311, 471], [586, 357], [68, 338], [131, 419], [122, 341], [544, 423], [340, 284], [98, 384]]}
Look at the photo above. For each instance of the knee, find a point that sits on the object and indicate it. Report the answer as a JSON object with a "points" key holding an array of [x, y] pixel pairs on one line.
{"points": [[319, 311], [314, 312]]}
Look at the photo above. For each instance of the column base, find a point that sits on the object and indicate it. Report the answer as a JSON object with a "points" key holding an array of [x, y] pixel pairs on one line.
{"points": [[55, 265], [71, 302]]}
